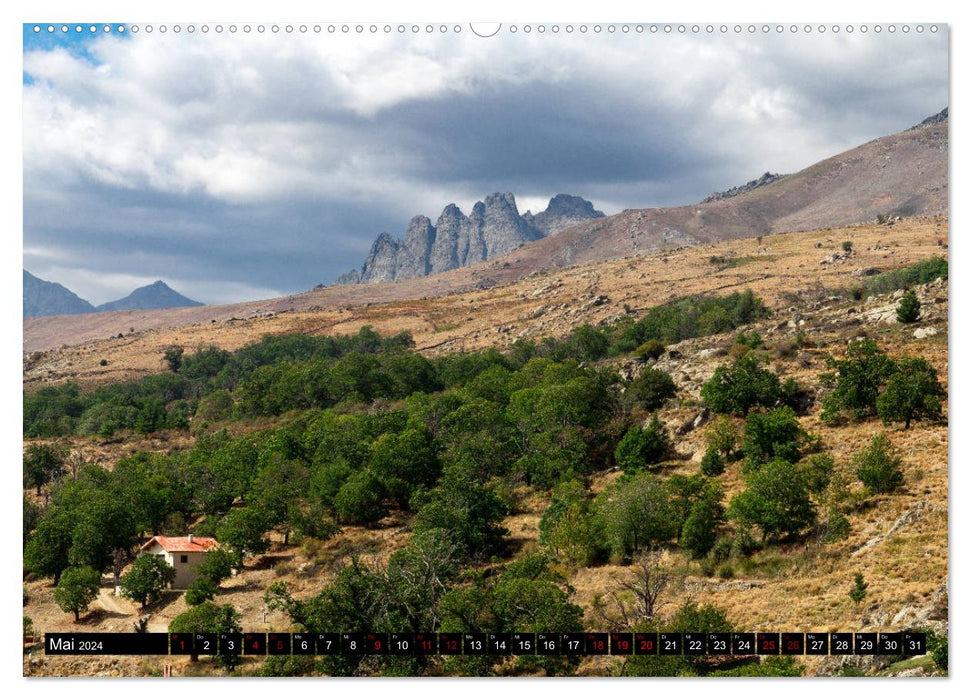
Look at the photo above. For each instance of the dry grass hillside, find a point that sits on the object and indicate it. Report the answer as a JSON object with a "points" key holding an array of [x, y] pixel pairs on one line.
{"points": [[545, 303], [899, 542]]}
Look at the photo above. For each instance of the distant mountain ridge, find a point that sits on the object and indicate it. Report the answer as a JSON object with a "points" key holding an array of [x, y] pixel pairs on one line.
{"points": [[156, 295], [495, 227], [43, 298]]}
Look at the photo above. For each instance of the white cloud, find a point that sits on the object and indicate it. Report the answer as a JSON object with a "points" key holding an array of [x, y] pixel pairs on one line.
{"points": [[237, 142]]}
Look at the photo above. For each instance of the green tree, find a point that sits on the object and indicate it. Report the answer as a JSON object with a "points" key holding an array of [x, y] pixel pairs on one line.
{"points": [[723, 436], [215, 406], [528, 595], [636, 513], [218, 565], [652, 387], [738, 388], [908, 310], [47, 552], [43, 464], [856, 382], [776, 499], [244, 531], [146, 579], [211, 618], [151, 417], [173, 357], [200, 590], [405, 461], [700, 530], [858, 592], [360, 500], [470, 512], [912, 393], [31, 517], [76, 589], [567, 527], [641, 447], [153, 488], [712, 463], [775, 434], [878, 466]]}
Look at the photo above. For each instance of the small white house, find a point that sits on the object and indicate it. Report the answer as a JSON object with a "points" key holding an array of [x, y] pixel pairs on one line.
{"points": [[183, 553]]}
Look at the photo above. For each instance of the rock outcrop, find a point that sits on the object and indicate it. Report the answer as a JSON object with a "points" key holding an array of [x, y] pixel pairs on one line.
{"points": [[765, 179], [493, 228]]}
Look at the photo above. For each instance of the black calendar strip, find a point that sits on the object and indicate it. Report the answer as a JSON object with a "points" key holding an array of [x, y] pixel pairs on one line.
{"points": [[491, 643]]}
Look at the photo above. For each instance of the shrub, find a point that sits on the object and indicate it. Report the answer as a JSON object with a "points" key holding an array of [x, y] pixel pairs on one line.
{"points": [[751, 340], [738, 388], [837, 527], [912, 393], [847, 246], [818, 470], [649, 350], [712, 463], [908, 310], [641, 447], [689, 317], [878, 466], [939, 653], [918, 273], [652, 388]]}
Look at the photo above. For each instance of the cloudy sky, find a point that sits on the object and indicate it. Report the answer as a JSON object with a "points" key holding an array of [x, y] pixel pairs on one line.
{"points": [[243, 166]]}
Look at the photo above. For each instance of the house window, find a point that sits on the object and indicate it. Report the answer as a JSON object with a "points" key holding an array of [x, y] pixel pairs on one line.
{"points": [[183, 558]]}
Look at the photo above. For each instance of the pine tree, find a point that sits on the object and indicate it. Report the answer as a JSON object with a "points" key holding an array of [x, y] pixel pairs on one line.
{"points": [[858, 592], [909, 309]]}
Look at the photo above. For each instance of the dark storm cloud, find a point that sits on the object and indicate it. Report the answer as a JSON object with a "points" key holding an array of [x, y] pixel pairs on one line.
{"points": [[247, 167]]}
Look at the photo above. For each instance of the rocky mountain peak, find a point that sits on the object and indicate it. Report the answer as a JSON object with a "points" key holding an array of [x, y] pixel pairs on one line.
{"points": [[563, 211], [494, 227]]}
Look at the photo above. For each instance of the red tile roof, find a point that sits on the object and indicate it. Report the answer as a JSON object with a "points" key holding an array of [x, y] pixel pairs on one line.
{"points": [[182, 544]]}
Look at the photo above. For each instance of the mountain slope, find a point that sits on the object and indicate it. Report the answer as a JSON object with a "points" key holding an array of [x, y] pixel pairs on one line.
{"points": [[494, 228], [904, 174], [157, 295], [43, 298]]}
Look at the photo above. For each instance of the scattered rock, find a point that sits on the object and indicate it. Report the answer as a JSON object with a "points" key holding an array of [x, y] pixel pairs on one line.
{"points": [[922, 333]]}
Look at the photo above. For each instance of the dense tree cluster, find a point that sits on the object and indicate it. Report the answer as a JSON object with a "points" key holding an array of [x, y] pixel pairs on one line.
{"points": [[867, 382], [298, 372]]}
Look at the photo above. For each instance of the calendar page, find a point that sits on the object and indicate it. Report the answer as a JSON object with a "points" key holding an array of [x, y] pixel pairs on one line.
{"points": [[454, 349]]}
